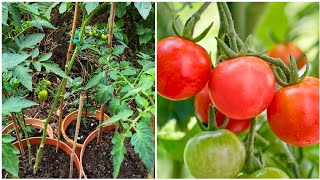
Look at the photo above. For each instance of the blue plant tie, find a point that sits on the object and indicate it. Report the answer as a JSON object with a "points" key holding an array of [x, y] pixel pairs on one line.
{"points": [[76, 41], [105, 79]]}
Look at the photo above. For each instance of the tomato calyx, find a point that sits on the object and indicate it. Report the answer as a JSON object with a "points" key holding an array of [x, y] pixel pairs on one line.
{"points": [[189, 26], [212, 122]]}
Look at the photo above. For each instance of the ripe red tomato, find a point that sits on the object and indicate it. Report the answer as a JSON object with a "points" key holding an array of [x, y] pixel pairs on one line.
{"points": [[201, 105], [183, 68], [293, 114], [242, 88], [283, 52]]}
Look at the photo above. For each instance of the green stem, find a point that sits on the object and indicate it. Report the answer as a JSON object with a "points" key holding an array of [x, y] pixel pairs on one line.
{"points": [[291, 160], [124, 78], [262, 139], [191, 23], [56, 99], [24, 129]]}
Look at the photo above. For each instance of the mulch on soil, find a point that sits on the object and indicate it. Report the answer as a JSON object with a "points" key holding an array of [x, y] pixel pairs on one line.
{"points": [[85, 129], [97, 160], [52, 164]]}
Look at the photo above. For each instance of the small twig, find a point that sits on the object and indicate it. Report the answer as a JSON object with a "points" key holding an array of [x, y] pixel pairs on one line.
{"points": [[76, 135]]}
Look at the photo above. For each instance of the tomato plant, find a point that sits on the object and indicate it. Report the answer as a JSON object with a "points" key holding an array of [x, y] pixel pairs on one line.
{"points": [[201, 106], [183, 68], [293, 114], [284, 51], [242, 88], [217, 154]]}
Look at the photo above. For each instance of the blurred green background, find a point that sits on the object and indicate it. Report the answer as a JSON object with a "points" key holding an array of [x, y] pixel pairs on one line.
{"points": [[176, 121]]}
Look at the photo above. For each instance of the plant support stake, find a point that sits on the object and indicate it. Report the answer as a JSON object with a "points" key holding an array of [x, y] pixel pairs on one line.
{"points": [[74, 25], [110, 35], [76, 135]]}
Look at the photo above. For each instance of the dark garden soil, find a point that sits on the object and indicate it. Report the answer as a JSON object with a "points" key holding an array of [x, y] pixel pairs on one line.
{"points": [[97, 160], [84, 131], [52, 164], [33, 133]]}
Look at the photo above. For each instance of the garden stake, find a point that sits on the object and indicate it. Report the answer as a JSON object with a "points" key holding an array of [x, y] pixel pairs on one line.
{"points": [[85, 21], [74, 25], [76, 135], [16, 128], [110, 35]]}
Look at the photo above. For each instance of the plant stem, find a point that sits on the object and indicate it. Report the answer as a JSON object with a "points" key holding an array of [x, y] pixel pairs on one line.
{"points": [[76, 135], [109, 44], [68, 68], [191, 23], [16, 128], [23, 125], [74, 26], [291, 160]]}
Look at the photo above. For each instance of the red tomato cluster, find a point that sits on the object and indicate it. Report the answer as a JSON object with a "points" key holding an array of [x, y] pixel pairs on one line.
{"points": [[240, 88]]}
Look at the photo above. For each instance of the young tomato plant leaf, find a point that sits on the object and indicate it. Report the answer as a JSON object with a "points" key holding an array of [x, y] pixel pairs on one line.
{"points": [[45, 57], [37, 65], [94, 80], [6, 138], [52, 67], [118, 152], [16, 104], [10, 60], [31, 40], [22, 73], [10, 161], [121, 9], [142, 102], [113, 75], [116, 106], [122, 115], [90, 6], [143, 8], [143, 145], [5, 12], [35, 53], [104, 93]]}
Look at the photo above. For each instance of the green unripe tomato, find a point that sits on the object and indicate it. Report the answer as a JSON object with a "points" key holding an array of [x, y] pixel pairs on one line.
{"points": [[94, 32], [104, 37], [48, 83], [214, 154], [268, 173], [43, 95], [90, 33]]}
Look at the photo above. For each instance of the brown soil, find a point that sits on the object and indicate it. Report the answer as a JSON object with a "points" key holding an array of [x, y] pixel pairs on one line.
{"points": [[52, 164], [84, 131], [97, 160]]}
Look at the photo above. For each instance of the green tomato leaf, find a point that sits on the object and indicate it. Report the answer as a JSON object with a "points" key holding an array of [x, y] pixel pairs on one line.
{"points": [[10, 60], [143, 145], [35, 53], [143, 8], [90, 6], [37, 66], [123, 115], [104, 93], [116, 106], [31, 40], [129, 71], [52, 67], [118, 152], [94, 80], [142, 102], [10, 161], [121, 9], [45, 57], [16, 104], [5, 12], [23, 75], [113, 75], [6, 138]]}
